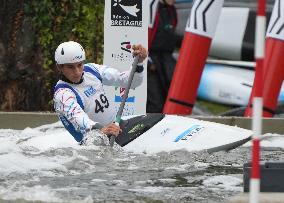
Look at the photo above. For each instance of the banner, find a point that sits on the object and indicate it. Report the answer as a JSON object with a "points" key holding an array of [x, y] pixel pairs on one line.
{"points": [[125, 24]]}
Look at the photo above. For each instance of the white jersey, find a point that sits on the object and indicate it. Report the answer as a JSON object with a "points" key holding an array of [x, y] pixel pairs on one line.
{"points": [[81, 106]]}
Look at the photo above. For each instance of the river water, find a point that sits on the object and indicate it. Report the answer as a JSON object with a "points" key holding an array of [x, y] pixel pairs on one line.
{"points": [[45, 164]]}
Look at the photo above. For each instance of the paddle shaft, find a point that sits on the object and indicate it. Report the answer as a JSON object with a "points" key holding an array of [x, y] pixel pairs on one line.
{"points": [[124, 97]]}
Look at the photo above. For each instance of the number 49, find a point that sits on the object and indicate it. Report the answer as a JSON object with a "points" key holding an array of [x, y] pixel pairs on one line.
{"points": [[101, 104]]}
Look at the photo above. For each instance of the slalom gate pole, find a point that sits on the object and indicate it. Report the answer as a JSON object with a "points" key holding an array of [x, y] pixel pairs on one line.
{"points": [[124, 97], [200, 29], [257, 101], [273, 66]]}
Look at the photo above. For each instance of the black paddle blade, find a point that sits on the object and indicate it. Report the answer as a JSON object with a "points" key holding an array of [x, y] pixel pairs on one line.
{"points": [[134, 127]]}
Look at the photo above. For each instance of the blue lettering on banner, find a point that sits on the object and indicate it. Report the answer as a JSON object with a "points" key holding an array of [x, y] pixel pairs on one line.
{"points": [[189, 132], [129, 99], [90, 91], [127, 110]]}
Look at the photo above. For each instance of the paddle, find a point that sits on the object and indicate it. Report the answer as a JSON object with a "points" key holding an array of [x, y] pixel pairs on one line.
{"points": [[124, 98]]}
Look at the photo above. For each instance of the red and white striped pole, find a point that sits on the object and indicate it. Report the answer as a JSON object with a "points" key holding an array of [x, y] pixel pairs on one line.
{"points": [[257, 101], [273, 73]]}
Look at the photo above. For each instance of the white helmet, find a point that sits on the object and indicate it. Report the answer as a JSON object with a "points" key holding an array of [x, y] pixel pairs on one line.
{"points": [[69, 52]]}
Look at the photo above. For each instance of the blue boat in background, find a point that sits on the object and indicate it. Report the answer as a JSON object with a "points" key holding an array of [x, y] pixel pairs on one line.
{"points": [[229, 85]]}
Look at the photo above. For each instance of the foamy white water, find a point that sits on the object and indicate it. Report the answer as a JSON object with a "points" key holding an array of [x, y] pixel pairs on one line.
{"points": [[46, 164]]}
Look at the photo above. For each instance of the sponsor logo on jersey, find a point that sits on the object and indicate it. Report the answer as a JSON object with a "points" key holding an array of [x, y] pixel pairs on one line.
{"points": [[193, 130], [126, 13], [90, 91]]}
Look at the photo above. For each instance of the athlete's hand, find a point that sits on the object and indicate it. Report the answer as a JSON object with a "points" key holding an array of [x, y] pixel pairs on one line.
{"points": [[139, 50], [111, 129]]}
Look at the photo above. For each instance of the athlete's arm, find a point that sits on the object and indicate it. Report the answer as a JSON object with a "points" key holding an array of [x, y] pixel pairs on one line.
{"points": [[65, 104], [113, 77]]}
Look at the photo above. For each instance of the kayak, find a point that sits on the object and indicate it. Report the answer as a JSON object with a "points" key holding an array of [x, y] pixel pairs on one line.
{"points": [[153, 133], [150, 134]]}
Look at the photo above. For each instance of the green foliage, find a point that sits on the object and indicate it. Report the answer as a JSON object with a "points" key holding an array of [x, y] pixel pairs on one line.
{"points": [[214, 108], [56, 21], [63, 20]]}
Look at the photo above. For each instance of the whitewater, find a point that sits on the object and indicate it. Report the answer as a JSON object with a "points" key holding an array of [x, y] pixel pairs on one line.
{"points": [[46, 164]]}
